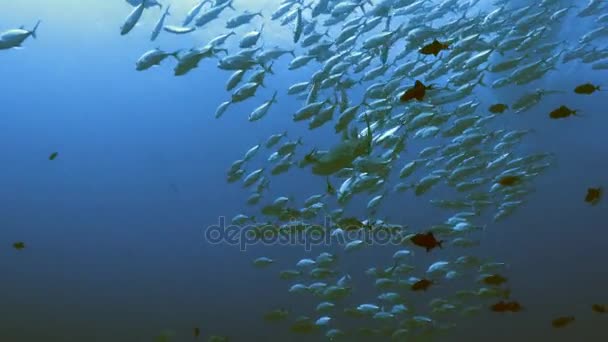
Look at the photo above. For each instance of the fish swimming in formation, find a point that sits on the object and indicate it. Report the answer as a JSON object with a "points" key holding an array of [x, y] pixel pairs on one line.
{"points": [[472, 155]]}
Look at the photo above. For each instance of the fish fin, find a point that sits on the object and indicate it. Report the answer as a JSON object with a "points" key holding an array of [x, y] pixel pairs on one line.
{"points": [[33, 32], [269, 69], [274, 97], [176, 53]]}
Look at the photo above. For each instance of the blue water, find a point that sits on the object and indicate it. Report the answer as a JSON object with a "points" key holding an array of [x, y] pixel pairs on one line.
{"points": [[114, 226]]}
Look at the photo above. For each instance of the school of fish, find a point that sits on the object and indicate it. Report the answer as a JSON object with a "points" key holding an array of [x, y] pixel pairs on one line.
{"points": [[400, 84]]}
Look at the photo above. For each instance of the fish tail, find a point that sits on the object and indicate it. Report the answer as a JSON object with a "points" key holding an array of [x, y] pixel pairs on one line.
{"points": [[480, 82], [440, 244], [176, 53], [33, 32], [274, 97], [230, 5]]}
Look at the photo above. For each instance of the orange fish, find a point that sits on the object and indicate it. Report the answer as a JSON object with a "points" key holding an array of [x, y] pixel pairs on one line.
{"points": [[434, 48], [563, 321], [416, 92], [599, 308], [494, 279], [586, 89], [562, 112], [502, 306], [422, 285], [427, 241], [509, 180], [498, 108], [593, 195]]}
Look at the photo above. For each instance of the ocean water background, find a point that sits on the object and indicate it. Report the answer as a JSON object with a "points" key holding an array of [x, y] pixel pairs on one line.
{"points": [[114, 226]]}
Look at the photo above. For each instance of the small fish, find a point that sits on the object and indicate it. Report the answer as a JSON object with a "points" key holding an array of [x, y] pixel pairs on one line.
{"points": [[434, 48], [421, 285], [178, 29], [562, 112], [416, 92], [53, 155], [197, 332], [593, 195], [502, 306], [563, 321], [19, 245], [586, 89], [498, 108], [509, 180], [599, 308], [494, 279], [427, 241]]}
